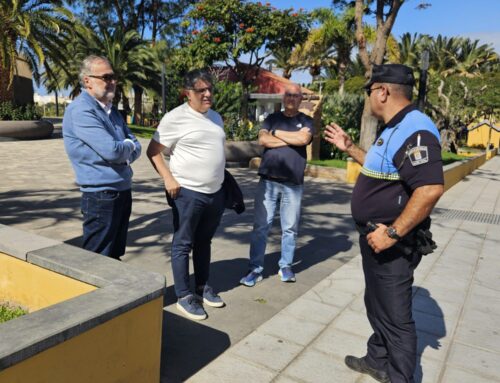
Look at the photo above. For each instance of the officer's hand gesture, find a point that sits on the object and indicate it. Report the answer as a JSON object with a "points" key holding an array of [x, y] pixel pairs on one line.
{"points": [[336, 136]]}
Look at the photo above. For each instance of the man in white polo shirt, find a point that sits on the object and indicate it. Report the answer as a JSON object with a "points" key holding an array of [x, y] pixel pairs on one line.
{"points": [[194, 137]]}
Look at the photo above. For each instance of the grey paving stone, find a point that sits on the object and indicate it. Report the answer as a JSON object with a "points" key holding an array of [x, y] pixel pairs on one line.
{"points": [[358, 304], [340, 343], [427, 370], [266, 350], [231, 369], [18, 243], [354, 322], [330, 296], [427, 305], [457, 375], [315, 367], [444, 294], [431, 346], [476, 360], [285, 379], [313, 311], [451, 281], [479, 329], [434, 325], [291, 328]]}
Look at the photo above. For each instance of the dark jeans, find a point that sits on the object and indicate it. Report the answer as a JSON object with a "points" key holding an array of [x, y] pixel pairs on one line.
{"points": [[196, 218], [388, 299], [105, 221]]}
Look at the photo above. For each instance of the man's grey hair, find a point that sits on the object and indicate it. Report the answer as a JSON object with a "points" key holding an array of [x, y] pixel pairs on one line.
{"points": [[86, 67], [193, 76], [405, 91]]}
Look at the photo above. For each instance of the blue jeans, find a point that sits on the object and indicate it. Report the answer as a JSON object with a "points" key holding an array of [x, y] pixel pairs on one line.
{"points": [[196, 217], [105, 221], [269, 195]]}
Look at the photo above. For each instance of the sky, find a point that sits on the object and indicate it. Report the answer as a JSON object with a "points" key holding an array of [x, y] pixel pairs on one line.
{"points": [[476, 19]]}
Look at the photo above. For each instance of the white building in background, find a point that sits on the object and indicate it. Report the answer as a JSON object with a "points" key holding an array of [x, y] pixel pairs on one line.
{"points": [[50, 98]]}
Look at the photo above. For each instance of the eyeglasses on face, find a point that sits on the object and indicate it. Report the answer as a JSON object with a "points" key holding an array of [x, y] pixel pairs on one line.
{"points": [[293, 95], [370, 90], [202, 90], [108, 77]]}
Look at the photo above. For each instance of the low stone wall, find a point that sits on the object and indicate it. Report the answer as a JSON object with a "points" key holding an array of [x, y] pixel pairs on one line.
{"points": [[111, 333], [26, 130]]}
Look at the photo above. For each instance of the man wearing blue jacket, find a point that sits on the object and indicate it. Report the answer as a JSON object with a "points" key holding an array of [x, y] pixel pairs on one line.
{"points": [[101, 148]]}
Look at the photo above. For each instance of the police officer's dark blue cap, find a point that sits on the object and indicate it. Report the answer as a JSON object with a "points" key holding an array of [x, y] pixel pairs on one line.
{"points": [[391, 73]]}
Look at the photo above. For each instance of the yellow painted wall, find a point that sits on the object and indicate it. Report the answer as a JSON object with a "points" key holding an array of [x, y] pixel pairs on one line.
{"points": [[457, 173], [125, 349], [481, 135], [353, 170], [34, 287]]}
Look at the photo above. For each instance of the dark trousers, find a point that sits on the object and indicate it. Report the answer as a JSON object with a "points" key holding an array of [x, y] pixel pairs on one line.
{"points": [[105, 221], [388, 299], [196, 218]]}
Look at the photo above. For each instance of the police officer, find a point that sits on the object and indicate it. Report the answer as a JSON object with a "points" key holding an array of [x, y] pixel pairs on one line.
{"points": [[400, 182]]}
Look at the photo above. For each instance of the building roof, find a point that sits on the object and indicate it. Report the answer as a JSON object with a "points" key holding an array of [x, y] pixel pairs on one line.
{"points": [[266, 81], [493, 125]]}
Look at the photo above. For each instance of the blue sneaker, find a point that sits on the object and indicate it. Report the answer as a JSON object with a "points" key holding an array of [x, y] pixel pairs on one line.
{"points": [[287, 274], [251, 279], [209, 297], [191, 308]]}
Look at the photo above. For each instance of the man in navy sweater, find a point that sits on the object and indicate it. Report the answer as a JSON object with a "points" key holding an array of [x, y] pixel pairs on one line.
{"points": [[101, 149]]}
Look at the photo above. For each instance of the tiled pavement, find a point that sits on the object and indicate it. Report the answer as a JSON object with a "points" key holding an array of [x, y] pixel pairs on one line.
{"points": [[456, 308], [300, 332]]}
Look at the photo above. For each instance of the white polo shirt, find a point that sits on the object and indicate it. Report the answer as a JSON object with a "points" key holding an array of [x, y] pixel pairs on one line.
{"points": [[196, 144]]}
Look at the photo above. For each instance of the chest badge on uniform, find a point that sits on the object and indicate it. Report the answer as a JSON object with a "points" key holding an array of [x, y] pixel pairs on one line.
{"points": [[380, 142], [418, 155], [299, 125]]}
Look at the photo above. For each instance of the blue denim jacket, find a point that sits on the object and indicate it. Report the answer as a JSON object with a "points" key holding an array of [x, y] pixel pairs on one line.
{"points": [[95, 145]]}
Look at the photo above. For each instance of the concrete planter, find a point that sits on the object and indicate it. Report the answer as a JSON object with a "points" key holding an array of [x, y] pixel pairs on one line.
{"points": [[26, 130], [239, 153]]}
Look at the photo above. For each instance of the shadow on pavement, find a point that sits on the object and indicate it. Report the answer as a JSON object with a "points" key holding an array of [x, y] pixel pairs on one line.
{"points": [[430, 327], [179, 362]]}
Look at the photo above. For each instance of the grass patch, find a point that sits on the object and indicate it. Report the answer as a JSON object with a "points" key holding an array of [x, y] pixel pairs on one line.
{"points": [[142, 131], [341, 164], [7, 312], [449, 157]]}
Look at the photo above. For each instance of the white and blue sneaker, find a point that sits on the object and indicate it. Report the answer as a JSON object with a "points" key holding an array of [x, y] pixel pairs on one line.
{"points": [[251, 279], [287, 274]]}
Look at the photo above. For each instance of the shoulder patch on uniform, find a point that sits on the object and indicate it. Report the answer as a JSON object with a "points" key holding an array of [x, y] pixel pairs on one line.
{"points": [[418, 155]]}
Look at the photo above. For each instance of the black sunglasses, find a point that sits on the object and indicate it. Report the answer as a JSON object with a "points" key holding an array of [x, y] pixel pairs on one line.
{"points": [[108, 77], [370, 90]]}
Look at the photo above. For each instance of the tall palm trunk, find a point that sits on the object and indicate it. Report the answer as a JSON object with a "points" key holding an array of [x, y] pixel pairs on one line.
{"points": [[138, 91], [6, 92]]}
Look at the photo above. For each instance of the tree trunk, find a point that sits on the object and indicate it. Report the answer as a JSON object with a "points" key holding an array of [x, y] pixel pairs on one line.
{"points": [[6, 92], [57, 103], [138, 91], [369, 126]]}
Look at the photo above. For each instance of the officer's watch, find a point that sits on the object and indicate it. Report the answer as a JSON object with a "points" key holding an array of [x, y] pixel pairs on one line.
{"points": [[392, 233]]}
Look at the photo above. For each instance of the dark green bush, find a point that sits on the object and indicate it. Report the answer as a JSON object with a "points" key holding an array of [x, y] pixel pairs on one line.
{"points": [[8, 111], [345, 111]]}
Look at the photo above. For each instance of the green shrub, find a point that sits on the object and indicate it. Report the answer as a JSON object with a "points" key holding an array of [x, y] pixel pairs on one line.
{"points": [[7, 312], [18, 113], [345, 111]]}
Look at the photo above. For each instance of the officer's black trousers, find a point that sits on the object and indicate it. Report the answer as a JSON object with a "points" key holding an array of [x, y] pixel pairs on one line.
{"points": [[388, 299]]}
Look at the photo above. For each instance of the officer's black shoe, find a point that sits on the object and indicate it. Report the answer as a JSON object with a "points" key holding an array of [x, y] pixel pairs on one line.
{"points": [[360, 365]]}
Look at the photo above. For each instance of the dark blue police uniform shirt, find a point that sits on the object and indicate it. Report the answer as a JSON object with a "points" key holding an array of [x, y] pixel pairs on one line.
{"points": [[287, 163], [405, 156]]}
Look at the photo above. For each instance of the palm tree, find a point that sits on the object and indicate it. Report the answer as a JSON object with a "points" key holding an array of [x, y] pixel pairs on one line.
{"points": [[132, 59], [34, 30], [281, 60]]}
